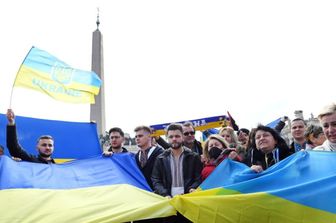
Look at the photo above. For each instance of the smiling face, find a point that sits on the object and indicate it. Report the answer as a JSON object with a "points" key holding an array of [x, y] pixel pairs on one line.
{"points": [[265, 141], [328, 123], [227, 136]]}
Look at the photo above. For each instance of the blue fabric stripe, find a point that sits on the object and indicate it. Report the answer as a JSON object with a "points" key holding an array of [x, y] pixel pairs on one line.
{"points": [[96, 171], [73, 140], [40, 60], [307, 178]]}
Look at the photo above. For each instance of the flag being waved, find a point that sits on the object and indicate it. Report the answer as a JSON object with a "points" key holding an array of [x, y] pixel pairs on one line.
{"points": [[43, 72]]}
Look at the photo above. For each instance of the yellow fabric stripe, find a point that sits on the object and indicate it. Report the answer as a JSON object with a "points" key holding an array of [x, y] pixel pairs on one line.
{"points": [[41, 82], [210, 125], [206, 206], [116, 203], [62, 160], [26, 70]]}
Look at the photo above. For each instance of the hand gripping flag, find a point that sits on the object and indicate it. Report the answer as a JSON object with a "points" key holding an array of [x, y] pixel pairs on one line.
{"points": [[43, 72]]}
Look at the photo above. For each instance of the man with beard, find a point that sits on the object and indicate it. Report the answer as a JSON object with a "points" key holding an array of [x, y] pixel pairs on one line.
{"points": [[189, 140], [44, 146], [177, 170], [117, 138]]}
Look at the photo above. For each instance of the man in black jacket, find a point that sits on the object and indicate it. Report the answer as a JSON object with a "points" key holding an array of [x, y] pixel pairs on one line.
{"points": [[189, 138], [147, 153], [178, 169], [44, 146]]}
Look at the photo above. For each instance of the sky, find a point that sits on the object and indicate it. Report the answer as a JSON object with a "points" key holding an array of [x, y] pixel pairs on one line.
{"points": [[177, 60]]}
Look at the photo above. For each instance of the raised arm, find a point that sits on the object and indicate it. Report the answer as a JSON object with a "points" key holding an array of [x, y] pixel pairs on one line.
{"points": [[13, 145]]}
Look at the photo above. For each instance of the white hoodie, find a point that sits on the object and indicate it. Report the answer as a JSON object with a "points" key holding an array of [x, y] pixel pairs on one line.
{"points": [[326, 146]]}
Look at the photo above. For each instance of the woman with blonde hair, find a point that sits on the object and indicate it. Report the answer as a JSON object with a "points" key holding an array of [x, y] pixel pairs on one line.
{"points": [[215, 150], [327, 118], [231, 137]]}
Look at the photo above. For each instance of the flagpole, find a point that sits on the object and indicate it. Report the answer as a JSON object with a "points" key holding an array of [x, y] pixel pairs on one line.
{"points": [[11, 95]]}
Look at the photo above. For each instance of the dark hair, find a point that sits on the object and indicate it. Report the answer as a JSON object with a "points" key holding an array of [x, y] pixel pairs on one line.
{"points": [[116, 129], [281, 143], [45, 137], [189, 124], [251, 142], [174, 126], [244, 131], [314, 130], [299, 119], [144, 128]]}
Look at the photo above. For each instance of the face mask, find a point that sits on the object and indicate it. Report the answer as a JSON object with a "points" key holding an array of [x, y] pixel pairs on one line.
{"points": [[215, 152]]}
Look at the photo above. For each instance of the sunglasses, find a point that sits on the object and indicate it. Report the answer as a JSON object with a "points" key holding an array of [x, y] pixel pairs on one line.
{"points": [[188, 133]]}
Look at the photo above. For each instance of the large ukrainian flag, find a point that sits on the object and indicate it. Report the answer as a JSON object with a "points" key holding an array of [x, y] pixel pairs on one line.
{"points": [[299, 189], [100, 189], [43, 72]]}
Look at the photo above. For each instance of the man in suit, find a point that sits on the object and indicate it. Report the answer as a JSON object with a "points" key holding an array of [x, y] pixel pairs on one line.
{"points": [[147, 153]]}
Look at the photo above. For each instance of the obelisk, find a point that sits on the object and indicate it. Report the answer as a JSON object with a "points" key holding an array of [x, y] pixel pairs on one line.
{"points": [[97, 110]]}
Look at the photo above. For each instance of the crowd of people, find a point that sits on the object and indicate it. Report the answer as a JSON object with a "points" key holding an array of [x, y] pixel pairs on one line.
{"points": [[180, 164]]}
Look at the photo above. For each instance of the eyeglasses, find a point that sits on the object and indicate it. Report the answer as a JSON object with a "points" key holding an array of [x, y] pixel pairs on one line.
{"points": [[188, 133]]}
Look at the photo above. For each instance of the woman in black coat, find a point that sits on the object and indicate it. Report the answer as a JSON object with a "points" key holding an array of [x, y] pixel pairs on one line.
{"points": [[269, 148]]}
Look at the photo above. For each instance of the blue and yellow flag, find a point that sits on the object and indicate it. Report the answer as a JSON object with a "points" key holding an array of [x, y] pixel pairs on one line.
{"points": [[96, 171], [300, 188], [100, 189], [199, 124], [43, 72]]}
